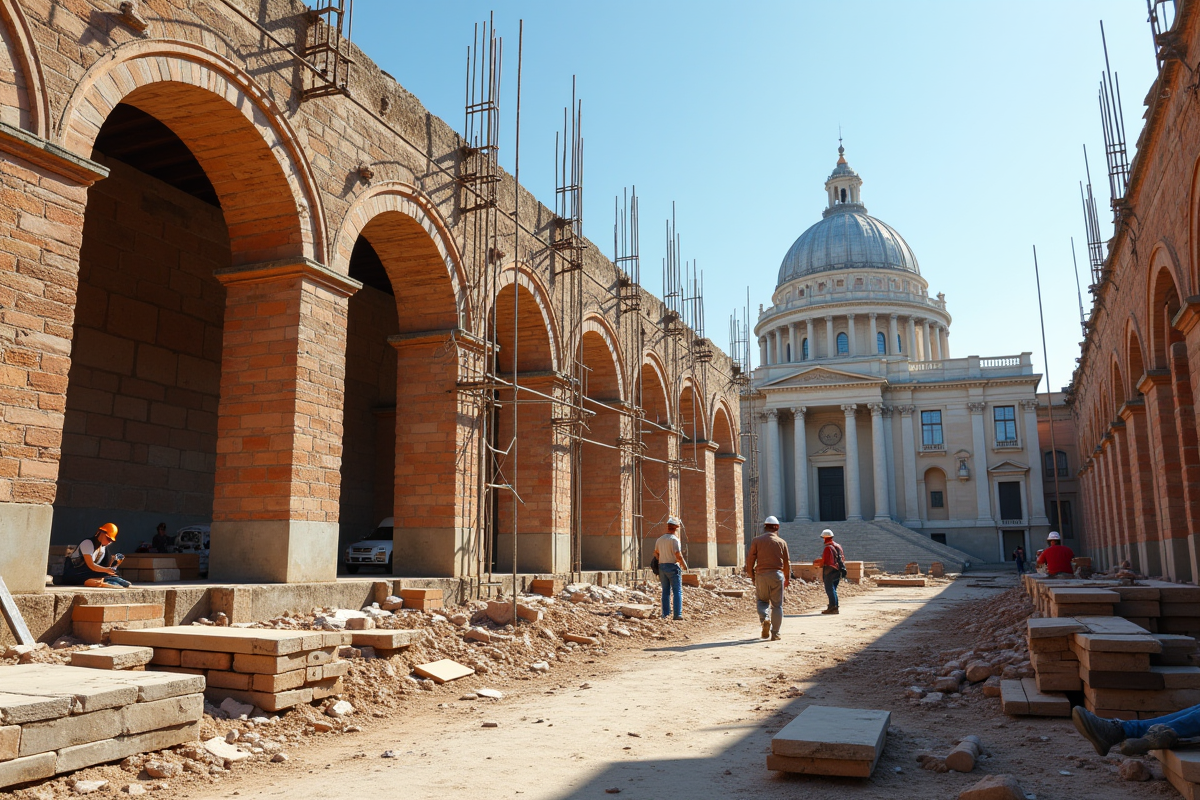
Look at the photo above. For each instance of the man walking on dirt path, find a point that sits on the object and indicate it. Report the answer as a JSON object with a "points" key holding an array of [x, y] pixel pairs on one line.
{"points": [[833, 564], [671, 564], [769, 566]]}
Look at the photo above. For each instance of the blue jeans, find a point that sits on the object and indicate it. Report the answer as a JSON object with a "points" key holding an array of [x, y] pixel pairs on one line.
{"points": [[671, 578], [1020, 566], [832, 578], [1185, 723]]}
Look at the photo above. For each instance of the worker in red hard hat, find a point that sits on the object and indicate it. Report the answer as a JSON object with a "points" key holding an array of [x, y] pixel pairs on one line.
{"points": [[94, 562], [1057, 556]]}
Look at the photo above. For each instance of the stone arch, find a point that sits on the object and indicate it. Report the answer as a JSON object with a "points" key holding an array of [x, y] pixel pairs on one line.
{"points": [[27, 95], [596, 336], [224, 118]]}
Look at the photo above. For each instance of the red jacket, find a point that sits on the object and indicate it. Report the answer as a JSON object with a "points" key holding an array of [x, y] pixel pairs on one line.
{"points": [[828, 559], [1057, 558]]}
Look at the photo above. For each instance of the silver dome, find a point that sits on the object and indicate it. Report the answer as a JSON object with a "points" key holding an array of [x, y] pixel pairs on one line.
{"points": [[847, 238]]}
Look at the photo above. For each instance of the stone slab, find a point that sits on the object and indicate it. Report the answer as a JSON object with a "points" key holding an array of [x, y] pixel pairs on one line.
{"points": [[443, 671], [821, 766], [1113, 662], [117, 612], [1141, 609], [23, 770], [55, 734], [1058, 682], [204, 659], [1069, 595], [849, 734], [1185, 762], [1072, 609], [279, 682], [1178, 677], [1044, 704], [548, 587], [114, 657], [166, 656], [142, 717], [325, 688], [10, 742], [229, 680], [387, 639], [899, 581], [1166, 700], [90, 690], [17, 709], [1012, 698], [73, 758], [1187, 789], [265, 700], [1178, 593], [1113, 626], [1053, 627], [1179, 609], [1142, 681], [252, 641], [1108, 643], [244, 662], [1137, 592]]}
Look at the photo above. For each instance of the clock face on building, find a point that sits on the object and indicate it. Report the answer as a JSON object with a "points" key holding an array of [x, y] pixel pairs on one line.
{"points": [[830, 434]]}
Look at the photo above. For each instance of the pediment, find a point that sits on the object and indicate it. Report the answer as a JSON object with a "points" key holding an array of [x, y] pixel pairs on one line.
{"points": [[1009, 466], [823, 376]]}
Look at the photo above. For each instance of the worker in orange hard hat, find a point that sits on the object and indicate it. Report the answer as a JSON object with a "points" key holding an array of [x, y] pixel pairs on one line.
{"points": [[94, 562]]}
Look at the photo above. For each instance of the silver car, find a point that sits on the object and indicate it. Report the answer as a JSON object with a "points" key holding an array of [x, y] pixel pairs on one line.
{"points": [[374, 550]]}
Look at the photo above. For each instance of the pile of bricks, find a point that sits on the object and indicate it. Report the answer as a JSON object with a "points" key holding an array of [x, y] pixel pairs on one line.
{"points": [[1119, 680], [1156, 606], [270, 669], [812, 572], [95, 623], [140, 568], [56, 719], [1056, 667], [1072, 601]]}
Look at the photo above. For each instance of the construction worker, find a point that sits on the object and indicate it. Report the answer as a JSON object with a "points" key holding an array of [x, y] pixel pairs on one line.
{"points": [[1137, 737], [833, 562], [671, 564], [93, 563], [1057, 557], [161, 543], [769, 566]]}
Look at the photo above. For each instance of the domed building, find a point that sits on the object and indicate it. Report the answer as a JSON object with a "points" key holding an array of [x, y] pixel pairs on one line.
{"points": [[866, 419]]}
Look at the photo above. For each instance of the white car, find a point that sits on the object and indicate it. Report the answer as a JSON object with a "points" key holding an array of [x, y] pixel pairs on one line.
{"points": [[375, 550], [194, 539]]}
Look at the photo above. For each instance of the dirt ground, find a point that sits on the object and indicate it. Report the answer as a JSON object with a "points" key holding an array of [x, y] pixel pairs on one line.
{"points": [[692, 716]]}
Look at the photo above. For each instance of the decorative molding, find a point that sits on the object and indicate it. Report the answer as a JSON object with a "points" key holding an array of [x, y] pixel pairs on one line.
{"points": [[887, 411], [1029, 404], [49, 156], [876, 409], [906, 410], [771, 413], [850, 409], [977, 408], [799, 411]]}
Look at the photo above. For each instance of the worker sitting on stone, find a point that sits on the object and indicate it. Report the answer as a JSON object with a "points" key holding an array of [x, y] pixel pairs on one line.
{"points": [[1057, 556], [93, 563], [1136, 737]]}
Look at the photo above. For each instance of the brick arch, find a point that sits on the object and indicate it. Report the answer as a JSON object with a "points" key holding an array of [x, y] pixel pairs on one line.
{"points": [[724, 432], [29, 84], [1117, 385], [655, 401], [1135, 357], [687, 418], [240, 137], [1193, 230], [1163, 298], [596, 337], [539, 327]]}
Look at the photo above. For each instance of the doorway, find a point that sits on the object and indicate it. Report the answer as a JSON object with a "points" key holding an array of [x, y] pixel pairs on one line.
{"points": [[831, 491], [1011, 541]]}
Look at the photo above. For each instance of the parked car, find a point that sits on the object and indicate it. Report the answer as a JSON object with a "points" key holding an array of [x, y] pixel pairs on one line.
{"points": [[194, 539], [375, 549]]}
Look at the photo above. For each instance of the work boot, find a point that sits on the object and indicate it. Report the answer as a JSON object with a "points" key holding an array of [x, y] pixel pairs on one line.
{"points": [[1102, 733], [766, 628], [775, 637], [831, 610], [1159, 737]]}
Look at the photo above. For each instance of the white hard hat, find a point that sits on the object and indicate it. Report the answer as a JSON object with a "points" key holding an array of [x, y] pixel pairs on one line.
{"points": [[1054, 536], [673, 521], [827, 534], [770, 521]]}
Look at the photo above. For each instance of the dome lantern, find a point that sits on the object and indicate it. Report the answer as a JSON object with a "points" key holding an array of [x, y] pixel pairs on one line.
{"points": [[843, 185]]}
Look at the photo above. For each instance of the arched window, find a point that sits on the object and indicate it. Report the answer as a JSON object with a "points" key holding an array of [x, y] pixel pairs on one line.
{"points": [[843, 195], [789, 351], [804, 349], [843, 344], [1048, 464], [899, 344], [881, 343]]}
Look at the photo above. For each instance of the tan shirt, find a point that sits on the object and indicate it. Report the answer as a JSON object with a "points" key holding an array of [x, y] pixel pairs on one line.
{"points": [[768, 553], [668, 548]]}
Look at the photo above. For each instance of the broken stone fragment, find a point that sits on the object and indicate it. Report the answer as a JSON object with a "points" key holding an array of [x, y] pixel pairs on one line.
{"points": [[915, 692], [341, 708], [163, 769], [87, 787], [360, 624], [994, 787], [978, 671], [1134, 770]]}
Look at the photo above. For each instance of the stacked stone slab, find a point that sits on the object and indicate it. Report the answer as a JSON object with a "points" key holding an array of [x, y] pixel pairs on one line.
{"points": [[1179, 609], [387, 642], [1182, 769], [831, 741], [56, 719], [1055, 665], [1024, 698], [270, 669], [1157, 606], [150, 568], [1071, 601], [421, 599], [113, 657], [95, 623]]}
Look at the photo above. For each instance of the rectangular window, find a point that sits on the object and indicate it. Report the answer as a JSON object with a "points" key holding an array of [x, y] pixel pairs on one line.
{"points": [[1048, 464], [1006, 425], [1010, 500], [931, 428], [936, 500]]}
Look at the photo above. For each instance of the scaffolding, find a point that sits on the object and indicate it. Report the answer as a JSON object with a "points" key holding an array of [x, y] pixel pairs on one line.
{"points": [[326, 49], [1112, 118], [739, 351]]}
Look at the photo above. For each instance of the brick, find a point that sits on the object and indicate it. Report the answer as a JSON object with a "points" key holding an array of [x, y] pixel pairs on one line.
{"points": [[264, 700], [166, 656], [280, 682], [10, 742], [275, 664], [229, 680], [198, 659]]}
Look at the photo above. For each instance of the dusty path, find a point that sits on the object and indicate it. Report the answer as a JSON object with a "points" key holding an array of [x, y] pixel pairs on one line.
{"points": [[703, 713]]}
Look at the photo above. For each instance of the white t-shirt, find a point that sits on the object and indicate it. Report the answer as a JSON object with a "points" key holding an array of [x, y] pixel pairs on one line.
{"points": [[667, 546], [89, 549]]}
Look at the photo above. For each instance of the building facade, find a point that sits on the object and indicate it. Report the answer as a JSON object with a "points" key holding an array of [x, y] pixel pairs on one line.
{"points": [[866, 414], [1060, 470], [242, 289]]}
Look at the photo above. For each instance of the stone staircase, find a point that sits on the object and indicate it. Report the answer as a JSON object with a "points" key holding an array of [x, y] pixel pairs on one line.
{"points": [[887, 544]]}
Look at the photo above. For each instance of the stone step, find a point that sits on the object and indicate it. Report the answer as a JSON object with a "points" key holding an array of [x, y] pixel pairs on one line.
{"points": [[886, 543]]}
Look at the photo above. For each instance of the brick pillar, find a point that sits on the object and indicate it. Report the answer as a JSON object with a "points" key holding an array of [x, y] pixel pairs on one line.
{"points": [[1141, 479], [437, 454], [1168, 473], [1112, 499], [543, 479], [657, 485], [729, 513], [698, 511], [1128, 521], [1189, 447], [43, 192], [605, 542], [279, 427]]}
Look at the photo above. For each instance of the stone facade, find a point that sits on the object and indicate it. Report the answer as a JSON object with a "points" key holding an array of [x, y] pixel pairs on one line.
{"points": [[1063, 496], [1133, 393], [226, 301]]}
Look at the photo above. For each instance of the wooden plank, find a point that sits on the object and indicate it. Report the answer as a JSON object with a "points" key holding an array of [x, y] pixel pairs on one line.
{"points": [[443, 671], [12, 615]]}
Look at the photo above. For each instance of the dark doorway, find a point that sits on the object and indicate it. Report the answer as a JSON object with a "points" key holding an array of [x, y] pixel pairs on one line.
{"points": [[1011, 541], [831, 489], [1010, 500]]}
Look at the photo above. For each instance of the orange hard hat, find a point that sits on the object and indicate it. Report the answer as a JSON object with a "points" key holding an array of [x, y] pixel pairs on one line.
{"points": [[108, 529]]}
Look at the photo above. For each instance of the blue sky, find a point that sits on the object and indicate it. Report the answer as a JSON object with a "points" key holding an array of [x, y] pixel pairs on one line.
{"points": [[965, 120]]}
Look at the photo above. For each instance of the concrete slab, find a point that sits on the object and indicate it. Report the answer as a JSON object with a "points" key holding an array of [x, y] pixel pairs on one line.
{"points": [[443, 671], [113, 657], [1112, 626], [253, 641], [1109, 643], [849, 734]]}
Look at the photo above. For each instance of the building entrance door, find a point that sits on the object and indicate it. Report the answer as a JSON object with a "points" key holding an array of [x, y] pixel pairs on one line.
{"points": [[831, 489], [1012, 540]]}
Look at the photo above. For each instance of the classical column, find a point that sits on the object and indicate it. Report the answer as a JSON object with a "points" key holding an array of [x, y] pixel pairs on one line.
{"points": [[937, 341], [853, 494], [912, 513], [800, 441], [853, 336], [983, 501], [928, 346], [889, 455], [945, 342], [873, 341], [912, 339], [1037, 503], [794, 355], [774, 334], [812, 340], [830, 344], [762, 350], [774, 476], [880, 461], [893, 334]]}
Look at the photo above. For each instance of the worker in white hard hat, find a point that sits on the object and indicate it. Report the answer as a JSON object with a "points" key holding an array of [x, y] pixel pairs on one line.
{"points": [[1057, 556], [668, 553], [770, 566], [833, 569]]}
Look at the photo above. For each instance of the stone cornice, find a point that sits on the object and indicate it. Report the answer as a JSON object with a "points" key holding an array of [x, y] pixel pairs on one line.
{"points": [[283, 269], [62, 162]]}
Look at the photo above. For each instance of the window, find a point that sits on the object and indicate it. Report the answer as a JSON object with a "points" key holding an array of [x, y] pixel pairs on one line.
{"points": [[1048, 464], [788, 348], [881, 343], [899, 348], [843, 344], [1064, 526], [843, 195], [1010, 500], [1006, 424], [804, 348], [931, 428], [937, 500]]}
